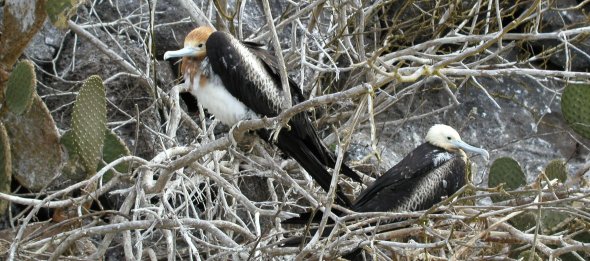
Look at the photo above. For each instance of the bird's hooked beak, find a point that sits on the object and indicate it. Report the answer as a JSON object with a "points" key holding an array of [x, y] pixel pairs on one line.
{"points": [[466, 147], [184, 52]]}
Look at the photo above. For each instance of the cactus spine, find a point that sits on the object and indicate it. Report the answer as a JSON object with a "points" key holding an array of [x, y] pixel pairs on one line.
{"points": [[89, 119], [113, 149]]}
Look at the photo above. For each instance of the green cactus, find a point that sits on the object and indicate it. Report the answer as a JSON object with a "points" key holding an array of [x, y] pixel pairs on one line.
{"points": [[20, 88], [576, 108], [553, 221], [524, 221], [59, 11], [73, 168], [508, 172], [5, 167], [89, 121], [583, 237], [113, 149], [556, 170]]}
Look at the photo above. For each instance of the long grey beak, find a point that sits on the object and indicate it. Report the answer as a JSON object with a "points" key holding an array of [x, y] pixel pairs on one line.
{"points": [[467, 147], [187, 51]]}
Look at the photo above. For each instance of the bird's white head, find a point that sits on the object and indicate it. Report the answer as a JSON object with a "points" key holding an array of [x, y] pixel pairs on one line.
{"points": [[194, 44], [446, 137]]}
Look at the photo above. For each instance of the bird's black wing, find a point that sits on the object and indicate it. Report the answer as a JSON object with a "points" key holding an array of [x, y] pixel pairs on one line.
{"points": [[388, 190], [250, 74], [243, 74], [303, 126]]}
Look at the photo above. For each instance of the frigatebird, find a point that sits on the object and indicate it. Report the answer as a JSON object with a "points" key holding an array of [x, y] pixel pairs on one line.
{"points": [[238, 81], [435, 169]]}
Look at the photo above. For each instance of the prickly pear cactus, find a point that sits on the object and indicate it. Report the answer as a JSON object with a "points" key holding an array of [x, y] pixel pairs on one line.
{"points": [[583, 237], [5, 167], [524, 221], [34, 145], [59, 11], [73, 168], [114, 148], [508, 172], [505, 170], [20, 88], [553, 221], [575, 107], [89, 121], [556, 170]]}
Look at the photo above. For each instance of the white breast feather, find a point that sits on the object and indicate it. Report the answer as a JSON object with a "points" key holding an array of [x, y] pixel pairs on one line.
{"points": [[440, 158], [214, 97]]}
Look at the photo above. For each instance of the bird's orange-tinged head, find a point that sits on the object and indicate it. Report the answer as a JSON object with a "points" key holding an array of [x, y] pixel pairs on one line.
{"points": [[194, 44]]}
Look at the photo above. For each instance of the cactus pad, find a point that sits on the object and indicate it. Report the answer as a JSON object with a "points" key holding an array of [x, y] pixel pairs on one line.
{"points": [[113, 149], [575, 106], [556, 170], [583, 237], [20, 87], [73, 169], [524, 221], [507, 171], [5, 167], [89, 119], [34, 145], [59, 11], [554, 220]]}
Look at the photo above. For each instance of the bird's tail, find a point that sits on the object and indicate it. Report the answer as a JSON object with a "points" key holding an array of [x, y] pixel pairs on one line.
{"points": [[299, 151], [346, 170], [317, 147], [308, 218], [331, 161], [317, 171]]}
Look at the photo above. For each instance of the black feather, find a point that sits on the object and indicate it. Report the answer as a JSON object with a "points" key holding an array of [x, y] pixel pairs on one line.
{"points": [[301, 140], [396, 186], [399, 183], [298, 150]]}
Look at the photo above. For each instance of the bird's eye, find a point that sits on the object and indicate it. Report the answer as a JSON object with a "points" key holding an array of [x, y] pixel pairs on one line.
{"points": [[200, 45], [448, 137]]}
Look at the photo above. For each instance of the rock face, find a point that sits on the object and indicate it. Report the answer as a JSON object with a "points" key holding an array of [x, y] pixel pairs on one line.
{"points": [[327, 49], [45, 44], [527, 125]]}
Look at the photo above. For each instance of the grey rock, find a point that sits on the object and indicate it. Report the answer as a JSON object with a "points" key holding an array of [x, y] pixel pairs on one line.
{"points": [[44, 45], [558, 18]]}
